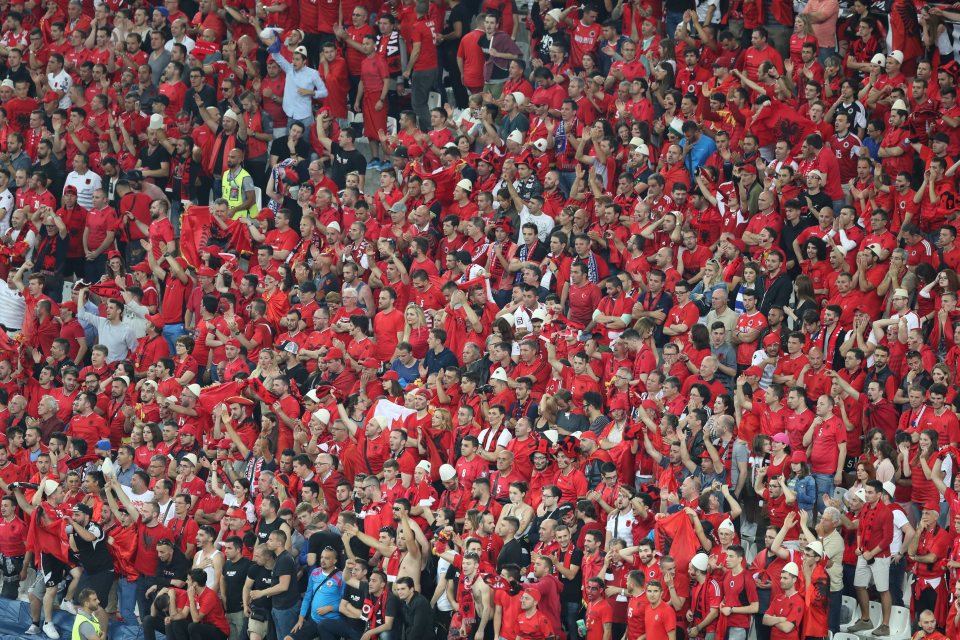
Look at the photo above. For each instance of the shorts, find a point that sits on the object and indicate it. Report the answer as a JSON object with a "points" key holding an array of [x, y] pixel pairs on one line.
{"points": [[879, 570], [51, 572], [259, 627], [101, 583]]}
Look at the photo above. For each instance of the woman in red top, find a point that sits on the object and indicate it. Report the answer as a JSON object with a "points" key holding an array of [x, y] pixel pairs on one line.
{"points": [[922, 489], [802, 34], [143, 453], [184, 366], [415, 330]]}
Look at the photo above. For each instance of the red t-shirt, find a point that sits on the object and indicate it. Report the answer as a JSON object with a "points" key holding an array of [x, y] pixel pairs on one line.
{"points": [[600, 613], [826, 439], [658, 621], [211, 610], [420, 32]]}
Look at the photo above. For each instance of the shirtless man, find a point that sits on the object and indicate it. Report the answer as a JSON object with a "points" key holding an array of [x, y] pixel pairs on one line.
{"points": [[473, 619], [403, 551]]}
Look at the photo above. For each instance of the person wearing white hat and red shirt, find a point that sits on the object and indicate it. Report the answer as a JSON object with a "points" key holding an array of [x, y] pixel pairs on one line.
{"points": [[704, 599], [786, 610], [462, 206]]}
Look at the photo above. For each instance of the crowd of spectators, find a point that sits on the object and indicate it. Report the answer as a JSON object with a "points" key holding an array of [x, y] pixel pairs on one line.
{"points": [[478, 320]]}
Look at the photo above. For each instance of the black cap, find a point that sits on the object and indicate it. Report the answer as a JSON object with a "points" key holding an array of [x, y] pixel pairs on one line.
{"points": [[565, 508], [83, 508], [940, 136], [401, 152], [134, 175]]}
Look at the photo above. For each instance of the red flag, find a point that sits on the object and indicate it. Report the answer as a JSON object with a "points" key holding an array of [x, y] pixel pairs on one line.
{"points": [[194, 233], [905, 30], [211, 396], [676, 537], [106, 290], [50, 539]]}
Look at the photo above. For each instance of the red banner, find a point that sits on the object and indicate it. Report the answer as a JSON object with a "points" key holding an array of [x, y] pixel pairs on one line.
{"points": [[50, 539], [194, 233], [675, 537]]}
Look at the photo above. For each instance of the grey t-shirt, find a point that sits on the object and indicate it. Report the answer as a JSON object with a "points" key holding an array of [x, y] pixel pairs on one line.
{"points": [[741, 453], [87, 630]]}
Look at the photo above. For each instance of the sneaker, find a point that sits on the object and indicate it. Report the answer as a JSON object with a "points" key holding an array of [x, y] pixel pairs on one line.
{"points": [[861, 625], [373, 165], [33, 630], [882, 630], [69, 607], [51, 631]]}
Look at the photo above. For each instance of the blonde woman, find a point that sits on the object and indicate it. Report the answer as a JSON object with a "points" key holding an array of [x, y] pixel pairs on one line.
{"points": [[802, 35], [415, 330], [267, 367], [702, 294]]}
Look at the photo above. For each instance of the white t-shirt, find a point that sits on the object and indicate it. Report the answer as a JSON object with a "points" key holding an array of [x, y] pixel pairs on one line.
{"points": [[138, 499]]}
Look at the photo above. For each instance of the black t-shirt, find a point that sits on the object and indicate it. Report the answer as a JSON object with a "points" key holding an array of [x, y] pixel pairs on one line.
{"points": [[281, 149], [153, 161], [819, 200], [285, 566], [234, 576], [176, 569], [513, 553], [571, 587], [460, 13], [355, 597], [264, 529], [376, 609], [344, 162], [262, 579], [94, 555], [323, 539]]}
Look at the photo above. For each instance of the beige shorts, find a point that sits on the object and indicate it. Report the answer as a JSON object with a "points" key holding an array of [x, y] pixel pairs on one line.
{"points": [[878, 570], [259, 627]]}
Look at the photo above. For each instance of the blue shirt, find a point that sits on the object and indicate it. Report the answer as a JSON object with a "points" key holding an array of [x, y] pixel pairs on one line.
{"points": [[699, 154], [327, 591], [296, 106]]}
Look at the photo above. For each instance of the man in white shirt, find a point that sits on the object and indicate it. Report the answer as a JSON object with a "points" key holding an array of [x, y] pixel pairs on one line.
{"points": [[83, 180], [178, 29], [59, 81]]}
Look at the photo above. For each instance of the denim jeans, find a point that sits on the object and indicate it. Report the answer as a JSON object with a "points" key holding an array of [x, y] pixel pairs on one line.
{"points": [[142, 584], [338, 628], [833, 615], [284, 619], [571, 613], [127, 600], [824, 485], [171, 332], [763, 600]]}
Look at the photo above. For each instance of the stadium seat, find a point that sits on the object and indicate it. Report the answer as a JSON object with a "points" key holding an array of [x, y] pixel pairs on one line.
{"points": [[899, 623], [435, 100], [849, 611], [845, 636]]}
